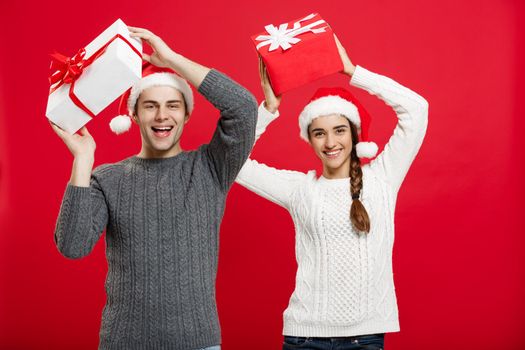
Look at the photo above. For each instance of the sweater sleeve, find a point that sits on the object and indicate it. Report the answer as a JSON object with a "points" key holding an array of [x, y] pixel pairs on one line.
{"points": [[234, 135], [82, 218], [412, 112], [273, 184]]}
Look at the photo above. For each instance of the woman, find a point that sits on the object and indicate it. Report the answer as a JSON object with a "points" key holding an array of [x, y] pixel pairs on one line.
{"points": [[344, 220]]}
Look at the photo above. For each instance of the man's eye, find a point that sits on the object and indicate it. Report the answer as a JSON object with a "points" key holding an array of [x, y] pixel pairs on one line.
{"points": [[173, 106], [149, 106]]}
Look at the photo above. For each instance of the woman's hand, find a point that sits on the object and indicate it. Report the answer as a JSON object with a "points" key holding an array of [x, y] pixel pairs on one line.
{"points": [[348, 67], [81, 146], [162, 55], [271, 101]]}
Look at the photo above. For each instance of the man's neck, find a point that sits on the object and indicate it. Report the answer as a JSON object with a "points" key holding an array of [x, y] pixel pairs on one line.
{"points": [[147, 152]]}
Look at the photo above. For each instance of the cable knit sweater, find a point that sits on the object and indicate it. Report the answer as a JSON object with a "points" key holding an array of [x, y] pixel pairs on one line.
{"points": [[344, 283], [162, 219]]}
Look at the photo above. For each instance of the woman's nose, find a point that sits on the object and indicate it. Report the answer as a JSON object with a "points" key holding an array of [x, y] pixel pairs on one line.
{"points": [[329, 141]]}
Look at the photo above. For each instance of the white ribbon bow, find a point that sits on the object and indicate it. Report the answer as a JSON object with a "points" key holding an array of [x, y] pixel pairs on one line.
{"points": [[285, 37]]}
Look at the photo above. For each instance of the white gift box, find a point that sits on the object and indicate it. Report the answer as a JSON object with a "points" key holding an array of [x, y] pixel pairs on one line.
{"points": [[101, 83]]}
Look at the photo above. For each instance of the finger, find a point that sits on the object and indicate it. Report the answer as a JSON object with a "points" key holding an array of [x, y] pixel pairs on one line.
{"points": [[84, 131], [146, 57], [261, 67], [265, 76], [338, 44], [57, 130], [138, 30], [144, 36], [263, 72]]}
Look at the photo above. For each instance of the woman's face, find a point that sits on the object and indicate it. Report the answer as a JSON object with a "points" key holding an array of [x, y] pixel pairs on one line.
{"points": [[331, 139]]}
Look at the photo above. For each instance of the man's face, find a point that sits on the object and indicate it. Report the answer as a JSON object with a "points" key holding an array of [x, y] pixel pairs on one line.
{"points": [[161, 115]]}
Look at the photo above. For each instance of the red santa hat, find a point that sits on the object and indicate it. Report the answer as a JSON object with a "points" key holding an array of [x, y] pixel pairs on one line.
{"points": [[151, 76], [337, 100]]}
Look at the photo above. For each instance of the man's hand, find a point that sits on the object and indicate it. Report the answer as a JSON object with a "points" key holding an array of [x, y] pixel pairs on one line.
{"points": [[82, 147], [162, 55]]}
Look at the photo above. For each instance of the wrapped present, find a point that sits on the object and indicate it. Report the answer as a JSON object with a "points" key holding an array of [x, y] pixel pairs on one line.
{"points": [[299, 52], [83, 85]]}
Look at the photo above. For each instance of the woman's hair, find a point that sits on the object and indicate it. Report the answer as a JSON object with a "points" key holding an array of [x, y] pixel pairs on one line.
{"points": [[358, 214]]}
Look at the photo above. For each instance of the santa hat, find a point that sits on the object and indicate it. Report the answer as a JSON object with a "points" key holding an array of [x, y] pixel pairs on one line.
{"points": [[337, 100], [151, 76]]}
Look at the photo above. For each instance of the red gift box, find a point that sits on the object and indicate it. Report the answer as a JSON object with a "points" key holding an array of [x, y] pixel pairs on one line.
{"points": [[299, 52]]}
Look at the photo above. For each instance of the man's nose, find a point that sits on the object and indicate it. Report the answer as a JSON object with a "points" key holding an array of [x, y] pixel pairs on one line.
{"points": [[162, 113]]}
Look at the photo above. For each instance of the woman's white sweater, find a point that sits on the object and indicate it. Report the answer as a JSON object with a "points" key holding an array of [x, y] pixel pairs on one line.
{"points": [[344, 283]]}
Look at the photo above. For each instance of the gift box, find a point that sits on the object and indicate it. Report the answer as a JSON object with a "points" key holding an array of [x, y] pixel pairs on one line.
{"points": [[83, 85], [298, 52]]}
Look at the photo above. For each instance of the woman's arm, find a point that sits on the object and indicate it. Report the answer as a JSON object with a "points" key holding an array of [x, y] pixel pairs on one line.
{"points": [[273, 184], [412, 113]]}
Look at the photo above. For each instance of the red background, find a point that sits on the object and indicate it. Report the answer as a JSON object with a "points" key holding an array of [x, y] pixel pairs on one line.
{"points": [[459, 256]]}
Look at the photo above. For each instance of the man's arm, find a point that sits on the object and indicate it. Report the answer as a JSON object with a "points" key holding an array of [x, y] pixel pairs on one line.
{"points": [[82, 147], [83, 213], [235, 132], [234, 135], [164, 56]]}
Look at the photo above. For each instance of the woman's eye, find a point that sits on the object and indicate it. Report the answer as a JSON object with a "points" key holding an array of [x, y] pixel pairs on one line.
{"points": [[340, 131], [318, 134]]}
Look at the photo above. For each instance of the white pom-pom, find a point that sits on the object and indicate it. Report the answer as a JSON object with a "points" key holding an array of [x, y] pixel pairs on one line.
{"points": [[366, 149], [120, 124]]}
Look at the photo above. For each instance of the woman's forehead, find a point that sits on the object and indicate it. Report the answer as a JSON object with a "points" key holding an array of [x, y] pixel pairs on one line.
{"points": [[329, 121]]}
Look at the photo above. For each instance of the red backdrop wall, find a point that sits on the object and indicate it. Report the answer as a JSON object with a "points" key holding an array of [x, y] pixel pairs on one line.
{"points": [[459, 252]]}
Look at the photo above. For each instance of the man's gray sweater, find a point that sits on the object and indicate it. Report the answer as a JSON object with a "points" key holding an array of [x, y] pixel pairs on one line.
{"points": [[162, 219]]}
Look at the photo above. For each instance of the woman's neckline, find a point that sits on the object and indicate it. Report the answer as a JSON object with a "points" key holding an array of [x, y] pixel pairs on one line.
{"points": [[322, 178]]}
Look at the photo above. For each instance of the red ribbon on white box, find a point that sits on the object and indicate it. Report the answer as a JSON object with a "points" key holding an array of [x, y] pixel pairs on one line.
{"points": [[66, 70], [284, 37]]}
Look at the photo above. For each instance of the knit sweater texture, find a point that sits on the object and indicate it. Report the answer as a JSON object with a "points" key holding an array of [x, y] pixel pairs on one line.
{"points": [[344, 283], [162, 219]]}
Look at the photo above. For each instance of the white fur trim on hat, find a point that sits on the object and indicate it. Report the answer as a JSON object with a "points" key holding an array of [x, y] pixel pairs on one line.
{"points": [[161, 79], [325, 106], [120, 124], [366, 149]]}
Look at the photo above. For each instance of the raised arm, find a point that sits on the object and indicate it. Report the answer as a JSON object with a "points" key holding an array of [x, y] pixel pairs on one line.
{"points": [[164, 56], [234, 135], [82, 218], [273, 184], [83, 213], [412, 112]]}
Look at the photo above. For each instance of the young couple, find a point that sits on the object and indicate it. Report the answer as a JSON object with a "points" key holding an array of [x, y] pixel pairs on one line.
{"points": [[162, 209]]}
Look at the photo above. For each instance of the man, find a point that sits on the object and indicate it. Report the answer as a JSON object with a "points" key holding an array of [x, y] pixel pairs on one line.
{"points": [[161, 209]]}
